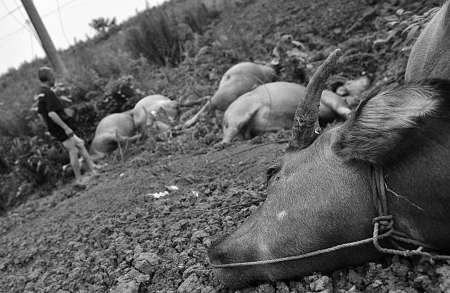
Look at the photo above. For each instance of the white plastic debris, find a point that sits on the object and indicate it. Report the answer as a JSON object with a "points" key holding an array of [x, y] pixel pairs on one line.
{"points": [[172, 187], [195, 193], [159, 194]]}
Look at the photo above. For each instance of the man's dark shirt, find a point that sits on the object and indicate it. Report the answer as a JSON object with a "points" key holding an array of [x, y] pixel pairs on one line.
{"points": [[48, 102]]}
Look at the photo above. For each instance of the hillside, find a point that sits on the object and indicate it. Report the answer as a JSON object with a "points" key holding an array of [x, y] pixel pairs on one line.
{"points": [[116, 236]]}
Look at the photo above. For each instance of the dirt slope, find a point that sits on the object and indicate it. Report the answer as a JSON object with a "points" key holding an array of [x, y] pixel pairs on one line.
{"points": [[115, 236]]}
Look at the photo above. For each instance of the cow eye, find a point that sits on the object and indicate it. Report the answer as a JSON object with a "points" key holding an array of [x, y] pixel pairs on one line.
{"points": [[272, 171]]}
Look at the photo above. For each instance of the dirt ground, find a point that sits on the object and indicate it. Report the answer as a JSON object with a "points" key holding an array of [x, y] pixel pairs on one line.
{"points": [[117, 235]]}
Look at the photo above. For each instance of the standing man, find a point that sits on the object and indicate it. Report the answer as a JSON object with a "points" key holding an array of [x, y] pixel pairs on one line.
{"points": [[51, 112]]}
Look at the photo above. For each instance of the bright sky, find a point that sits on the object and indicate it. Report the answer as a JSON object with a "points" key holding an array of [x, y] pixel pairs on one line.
{"points": [[65, 20]]}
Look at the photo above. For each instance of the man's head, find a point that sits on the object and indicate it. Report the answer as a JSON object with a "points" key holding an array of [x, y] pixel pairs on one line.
{"points": [[46, 76]]}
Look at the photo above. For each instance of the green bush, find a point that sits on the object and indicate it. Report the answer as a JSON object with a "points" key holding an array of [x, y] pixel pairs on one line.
{"points": [[160, 38], [156, 39]]}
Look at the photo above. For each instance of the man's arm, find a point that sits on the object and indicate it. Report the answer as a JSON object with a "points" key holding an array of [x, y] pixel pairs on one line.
{"points": [[55, 117], [43, 120]]}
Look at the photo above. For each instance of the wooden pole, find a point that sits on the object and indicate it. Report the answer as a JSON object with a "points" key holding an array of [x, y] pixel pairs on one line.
{"points": [[47, 44]]}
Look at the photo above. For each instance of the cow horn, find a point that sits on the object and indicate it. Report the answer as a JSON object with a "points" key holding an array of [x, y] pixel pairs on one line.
{"points": [[306, 120]]}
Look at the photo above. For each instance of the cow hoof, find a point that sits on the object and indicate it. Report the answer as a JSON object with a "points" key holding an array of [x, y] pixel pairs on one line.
{"points": [[344, 112], [186, 125], [221, 145], [177, 127]]}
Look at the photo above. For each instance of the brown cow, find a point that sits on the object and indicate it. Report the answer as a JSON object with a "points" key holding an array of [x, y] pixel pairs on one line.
{"points": [[238, 80], [145, 110], [271, 107], [111, 130]]}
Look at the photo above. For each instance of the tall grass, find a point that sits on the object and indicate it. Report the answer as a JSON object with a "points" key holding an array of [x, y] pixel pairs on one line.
{"points": [[160, 36]]}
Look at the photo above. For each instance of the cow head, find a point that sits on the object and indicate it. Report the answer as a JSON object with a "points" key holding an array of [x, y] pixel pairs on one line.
{"points": [[155, 122], [320, 195]]}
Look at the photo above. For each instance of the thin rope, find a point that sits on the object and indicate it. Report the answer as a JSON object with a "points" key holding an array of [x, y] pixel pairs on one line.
{"points": [[295, 257], [387, 223], [384, 222], [246, 150]]}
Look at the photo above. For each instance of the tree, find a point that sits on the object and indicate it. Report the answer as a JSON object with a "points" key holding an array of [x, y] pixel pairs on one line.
{"points": [[103, 25]]}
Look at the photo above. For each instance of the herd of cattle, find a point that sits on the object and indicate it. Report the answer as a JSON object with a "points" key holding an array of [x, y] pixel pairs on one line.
{"points": [[252, 102], [378, 182]]}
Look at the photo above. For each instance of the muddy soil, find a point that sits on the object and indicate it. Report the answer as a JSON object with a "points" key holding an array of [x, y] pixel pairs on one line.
{"points": [[145, 223]]}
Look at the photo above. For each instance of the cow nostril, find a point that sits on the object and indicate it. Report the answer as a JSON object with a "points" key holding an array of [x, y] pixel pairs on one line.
{"points": [[218, 252], [219, 240], [227, 251]]}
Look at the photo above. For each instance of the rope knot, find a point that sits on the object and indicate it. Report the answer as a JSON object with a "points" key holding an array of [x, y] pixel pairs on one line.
{"points": [[385, 223]]}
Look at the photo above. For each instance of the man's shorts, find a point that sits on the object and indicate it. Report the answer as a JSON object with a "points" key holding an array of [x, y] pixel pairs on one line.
{"points": [[59, 133]]}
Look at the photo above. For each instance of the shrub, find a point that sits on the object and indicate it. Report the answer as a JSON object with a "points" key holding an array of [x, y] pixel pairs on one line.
{"points": [[160, 38], [156, 39], [404, 27]]}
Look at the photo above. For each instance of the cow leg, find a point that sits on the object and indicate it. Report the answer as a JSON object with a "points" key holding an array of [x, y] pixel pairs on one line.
{"points": [[235, 125], [337, 103], [228, 134], [200, 114]]}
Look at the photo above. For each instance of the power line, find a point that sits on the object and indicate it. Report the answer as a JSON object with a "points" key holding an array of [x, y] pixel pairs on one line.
{"points": [[30, 28], [10, 34], [53, 11], [34, 33], [4, 44], [60, 21], [10, 12], [32, 47], [13, 15], [24, 27], [21, 11], [17, 41]]}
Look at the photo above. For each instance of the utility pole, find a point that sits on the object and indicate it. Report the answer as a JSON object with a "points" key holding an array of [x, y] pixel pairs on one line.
{"points": [[47, 44]]}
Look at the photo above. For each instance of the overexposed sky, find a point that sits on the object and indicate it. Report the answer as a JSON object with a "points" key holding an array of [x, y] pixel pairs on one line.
{"points": [[64, 20]]}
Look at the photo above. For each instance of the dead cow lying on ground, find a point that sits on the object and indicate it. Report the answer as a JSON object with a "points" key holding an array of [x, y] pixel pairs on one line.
{"points": [[110, 131], [145, 110], [340, 197], [121, 127], [271, 107], [239, 79]]}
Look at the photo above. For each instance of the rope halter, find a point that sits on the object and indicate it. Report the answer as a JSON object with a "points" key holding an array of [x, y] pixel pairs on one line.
{"points": [[383, 227]]}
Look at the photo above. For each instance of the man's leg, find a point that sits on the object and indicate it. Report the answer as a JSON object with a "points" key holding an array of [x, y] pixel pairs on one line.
{"points": [[69, 144], [79, 143]]}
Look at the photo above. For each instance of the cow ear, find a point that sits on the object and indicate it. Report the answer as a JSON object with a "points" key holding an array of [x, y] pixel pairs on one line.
{"points": [[381, 125]]}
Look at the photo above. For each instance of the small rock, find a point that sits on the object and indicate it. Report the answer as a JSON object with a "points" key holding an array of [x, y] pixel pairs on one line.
{"points": [[321, 284], [200, 234], [207, 242], [282, 287], [266, 288], [146, 262], [34, 274], [190, 285], [80, 256], [444, 278], [130, 282], [30, 286]]}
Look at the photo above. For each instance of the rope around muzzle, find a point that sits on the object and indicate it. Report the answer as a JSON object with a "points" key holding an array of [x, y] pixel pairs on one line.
{"points": [[383, 227]]}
